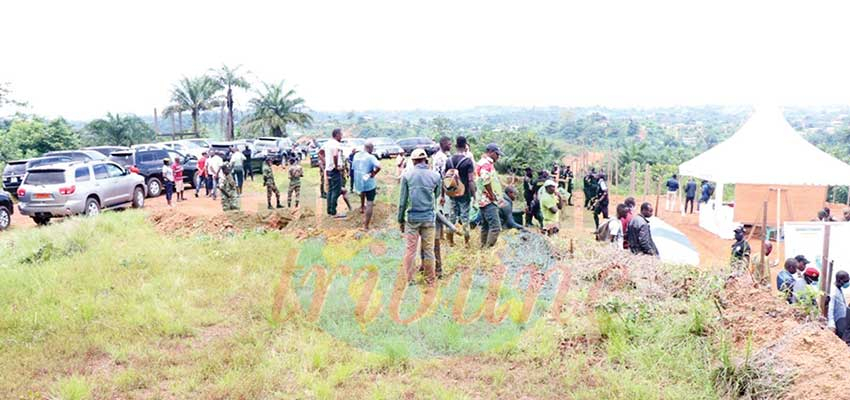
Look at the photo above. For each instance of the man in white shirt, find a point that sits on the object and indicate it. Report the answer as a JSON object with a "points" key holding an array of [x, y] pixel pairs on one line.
{"points": [[214, 164], [438, 160], [330, 156]]}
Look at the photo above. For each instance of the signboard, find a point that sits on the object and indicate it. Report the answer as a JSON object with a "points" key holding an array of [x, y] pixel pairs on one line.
{"points": [[806, 238]]}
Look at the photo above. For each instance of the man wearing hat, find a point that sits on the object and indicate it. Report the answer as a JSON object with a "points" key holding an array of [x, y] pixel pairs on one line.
{"points": [[741, 248], [491, 191], [810, 278], [420, 188], [550, 203]]}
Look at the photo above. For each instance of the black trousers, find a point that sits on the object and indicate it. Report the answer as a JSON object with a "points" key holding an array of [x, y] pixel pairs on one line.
{"points": [[689, 200]]}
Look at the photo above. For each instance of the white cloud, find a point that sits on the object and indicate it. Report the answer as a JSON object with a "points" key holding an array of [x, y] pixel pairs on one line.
{"points": [[81, 59]]}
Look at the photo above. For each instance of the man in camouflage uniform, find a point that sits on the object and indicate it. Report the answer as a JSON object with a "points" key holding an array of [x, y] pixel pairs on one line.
{"points": [[228, 188], [268, 181], [295, 174]]}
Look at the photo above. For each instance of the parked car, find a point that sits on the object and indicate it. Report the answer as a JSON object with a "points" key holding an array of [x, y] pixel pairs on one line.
{"points": [[279, 149], [14, 171], [223, 148], [188, 147], [149, 165], [314, 151], [410, 144], [148, 146], [77, 155], [6, 210], [351, 144], [78, 188], [386, 147], [107, 150]]}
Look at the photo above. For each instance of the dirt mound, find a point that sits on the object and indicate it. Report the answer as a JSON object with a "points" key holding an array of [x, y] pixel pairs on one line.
{"points": [[816, 359], [174, 222]]}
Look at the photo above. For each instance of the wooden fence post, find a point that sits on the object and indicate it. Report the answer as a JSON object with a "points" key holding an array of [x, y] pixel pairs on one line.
{"points": [[825, 283], [632, 180], [763, 265], [616, 179], [646, 176]]}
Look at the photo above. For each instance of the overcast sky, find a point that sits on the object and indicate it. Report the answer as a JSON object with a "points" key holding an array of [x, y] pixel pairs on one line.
{"points": [[81, 59]]}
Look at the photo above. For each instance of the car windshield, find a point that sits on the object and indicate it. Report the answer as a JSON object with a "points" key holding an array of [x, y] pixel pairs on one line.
{"points": [[15, 168], [122, 158], [45, 177]]}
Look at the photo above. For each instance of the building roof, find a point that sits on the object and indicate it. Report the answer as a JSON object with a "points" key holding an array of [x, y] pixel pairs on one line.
{"points": [[767, 150]]}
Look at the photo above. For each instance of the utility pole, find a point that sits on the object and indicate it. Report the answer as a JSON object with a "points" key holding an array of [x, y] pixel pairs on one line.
{"points": [[155, 122]]}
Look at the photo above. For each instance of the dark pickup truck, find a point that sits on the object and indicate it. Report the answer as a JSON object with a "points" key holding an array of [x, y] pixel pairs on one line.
{"points": [[149, 165]]}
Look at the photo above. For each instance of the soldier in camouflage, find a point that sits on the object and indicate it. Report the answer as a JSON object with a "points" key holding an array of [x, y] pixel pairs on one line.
{"points": [[228, 188], [295, 174], [268, 181]]}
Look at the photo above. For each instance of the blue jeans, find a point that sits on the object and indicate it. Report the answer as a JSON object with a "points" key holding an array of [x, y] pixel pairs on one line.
{"points": [[239, 175], [459, 212], [169, 190]]}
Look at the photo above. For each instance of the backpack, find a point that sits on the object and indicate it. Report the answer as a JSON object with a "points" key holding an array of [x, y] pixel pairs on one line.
{"points": [[451, 181]]}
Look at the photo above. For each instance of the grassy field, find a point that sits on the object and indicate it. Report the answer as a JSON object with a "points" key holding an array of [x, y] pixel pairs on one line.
{"points": [[110, 308]]}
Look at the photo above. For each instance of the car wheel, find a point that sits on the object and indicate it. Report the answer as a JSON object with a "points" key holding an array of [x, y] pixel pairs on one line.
{"points": [[41, 220], [5, 218], [138, 198], [92, 207], [196, 180], [154, 187]]}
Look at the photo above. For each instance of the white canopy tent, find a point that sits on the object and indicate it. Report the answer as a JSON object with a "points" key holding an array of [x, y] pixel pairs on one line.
{"points": [[766, 150]]}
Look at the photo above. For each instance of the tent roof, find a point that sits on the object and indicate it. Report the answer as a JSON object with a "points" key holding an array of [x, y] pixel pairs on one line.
{"points": [[767, 150]]}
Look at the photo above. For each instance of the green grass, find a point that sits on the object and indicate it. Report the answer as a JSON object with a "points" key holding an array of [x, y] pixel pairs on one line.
{"points": [[109, 308]]}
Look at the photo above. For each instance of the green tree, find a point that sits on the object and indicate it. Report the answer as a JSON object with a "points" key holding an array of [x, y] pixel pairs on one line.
{"points": [[195, 95], [274, 108], [36, 136], [118, 130], [228, 79]]}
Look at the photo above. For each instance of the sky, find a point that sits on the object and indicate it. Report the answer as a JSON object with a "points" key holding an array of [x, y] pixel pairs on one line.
{"points": [[81, 59]]}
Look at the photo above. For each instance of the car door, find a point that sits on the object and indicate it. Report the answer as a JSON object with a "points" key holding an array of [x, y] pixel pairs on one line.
{"points": [[103, 186], [120, 187]]}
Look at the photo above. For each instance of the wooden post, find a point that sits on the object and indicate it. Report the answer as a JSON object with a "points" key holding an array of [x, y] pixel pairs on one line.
{"points": [[825, 283], [616, 179], [180, 121], [657, 195], [173, 127], [763, 271], [222, 124], [633, 179], [778, 213], [155, 122], [646, 176]]}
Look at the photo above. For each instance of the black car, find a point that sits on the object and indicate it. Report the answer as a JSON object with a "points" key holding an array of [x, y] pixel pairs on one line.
{"points": [[6, 210], [78, 155], [410, 144], [107, 150], [14, 172], [279, 149], [148, 163]]}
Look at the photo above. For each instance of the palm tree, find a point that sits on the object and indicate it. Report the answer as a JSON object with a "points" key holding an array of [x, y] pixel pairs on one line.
{"points": [[195, 95], [228, 78], [274, 108]]}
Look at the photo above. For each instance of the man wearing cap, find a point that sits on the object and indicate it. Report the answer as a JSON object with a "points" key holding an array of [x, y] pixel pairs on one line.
{"points": [[229, 189], [810, 278], [420, 188], [491, 190], [550, 204], [741, 248]]}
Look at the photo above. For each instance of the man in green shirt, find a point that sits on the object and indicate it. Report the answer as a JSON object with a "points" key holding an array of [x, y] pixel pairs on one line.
{"points": [[550, 205]]}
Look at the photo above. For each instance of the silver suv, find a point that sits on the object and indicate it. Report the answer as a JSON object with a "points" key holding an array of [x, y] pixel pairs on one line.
{"points": [[78, 188]]}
